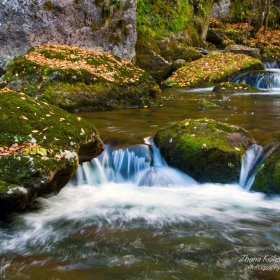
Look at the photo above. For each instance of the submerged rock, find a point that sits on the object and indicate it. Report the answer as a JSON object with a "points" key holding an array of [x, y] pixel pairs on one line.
{"points": [[268, 177], [40, 148], [77, 79], [207, 150], [211, 70], [234, 87]]}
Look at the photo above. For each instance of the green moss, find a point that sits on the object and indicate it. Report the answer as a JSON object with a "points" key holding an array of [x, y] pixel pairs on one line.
{"points": [[158, 18], [204, 148], [209, 104], [268, 177], [22, 115]]}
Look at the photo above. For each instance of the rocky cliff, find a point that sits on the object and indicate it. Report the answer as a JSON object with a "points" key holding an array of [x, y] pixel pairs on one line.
{"points": [[106, 25]]}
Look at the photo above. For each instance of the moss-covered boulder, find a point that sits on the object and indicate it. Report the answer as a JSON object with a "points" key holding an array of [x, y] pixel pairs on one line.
{"points": [[40, 147], [207, 150], [228, 87], [268, 177], [77, 79], [211, 70]]}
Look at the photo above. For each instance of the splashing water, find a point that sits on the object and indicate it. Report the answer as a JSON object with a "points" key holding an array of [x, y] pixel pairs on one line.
{"points": [[127, 215], [265, 80], [252, 160]]}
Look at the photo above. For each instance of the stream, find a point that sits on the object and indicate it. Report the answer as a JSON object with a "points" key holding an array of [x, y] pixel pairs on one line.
{"points": [[127, 215]]}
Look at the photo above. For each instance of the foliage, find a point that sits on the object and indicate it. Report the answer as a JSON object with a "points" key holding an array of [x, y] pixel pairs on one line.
{"points": [[268, 43], [240, 11]]}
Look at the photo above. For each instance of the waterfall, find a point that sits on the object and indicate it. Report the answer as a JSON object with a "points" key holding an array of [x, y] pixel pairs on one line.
{"points": [[251, 161], [266, 79], [142, 164], [113, 166], [272, 64]]}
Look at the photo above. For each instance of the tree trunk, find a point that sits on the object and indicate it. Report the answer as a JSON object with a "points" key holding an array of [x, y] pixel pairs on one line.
{"points": [[250, 18], [259, 23], [266, 16]]}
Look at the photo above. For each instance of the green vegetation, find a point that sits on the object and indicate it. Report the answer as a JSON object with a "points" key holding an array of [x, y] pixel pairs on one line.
{"points": [[158, 18]]}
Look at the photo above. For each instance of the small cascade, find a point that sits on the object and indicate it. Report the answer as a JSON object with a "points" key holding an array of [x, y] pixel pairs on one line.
{"points": [[251, 162], [113, 166], [142, 165], [272, 64], [160, 174], [266, 79]]}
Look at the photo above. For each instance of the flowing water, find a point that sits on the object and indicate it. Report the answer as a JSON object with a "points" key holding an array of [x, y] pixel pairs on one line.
{"points": [[127, 215]]}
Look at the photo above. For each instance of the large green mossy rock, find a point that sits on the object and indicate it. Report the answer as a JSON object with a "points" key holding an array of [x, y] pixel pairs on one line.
{"points": [[268, 177], [207, 150], [53, 141], [77, 79], [211, 70]]}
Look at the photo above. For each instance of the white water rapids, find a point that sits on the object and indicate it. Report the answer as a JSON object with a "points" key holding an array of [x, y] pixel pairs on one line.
{"points": [[128, 214]]}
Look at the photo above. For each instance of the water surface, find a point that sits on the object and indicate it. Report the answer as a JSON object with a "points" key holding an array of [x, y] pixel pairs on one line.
{"points": [[124, 217]]}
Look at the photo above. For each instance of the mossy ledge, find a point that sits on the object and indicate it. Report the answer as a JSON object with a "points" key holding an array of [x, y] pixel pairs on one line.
{"points": [[67, 139], [211, 70], [78, 79], [207, 150]]}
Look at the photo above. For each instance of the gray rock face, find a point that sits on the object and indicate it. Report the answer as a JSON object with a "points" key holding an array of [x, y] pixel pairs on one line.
{"points": [[220, 9], [108, 25]]}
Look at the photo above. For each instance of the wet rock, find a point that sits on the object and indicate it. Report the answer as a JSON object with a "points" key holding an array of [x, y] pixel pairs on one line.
{"points": [[268, 177], [207, 150], [38, 153], [78, 79], [215, 36]]}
